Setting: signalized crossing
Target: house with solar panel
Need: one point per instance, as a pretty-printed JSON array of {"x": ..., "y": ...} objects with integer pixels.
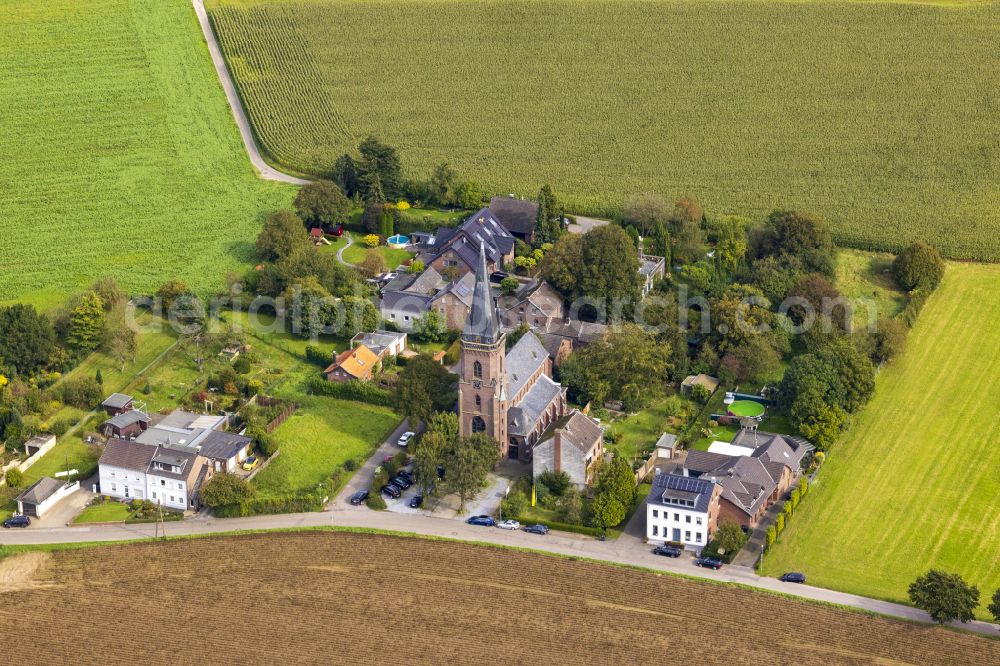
[{"x": 458, "y": 248}]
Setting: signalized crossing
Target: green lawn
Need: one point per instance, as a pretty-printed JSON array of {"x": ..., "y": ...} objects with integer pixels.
[
  {"x": 866, "y": 279},
  {"x": 641, "y": 430},
  {"x": 320, "y": 437},
  {"x": 120, "y": 155},
  {"x": 356, "y": 253},
  {"x": 103, "y": 513},
  {"x": 913, "y": 483},
  {"x": 69, "y": 449},
  {"x": 876, "y": 115}
]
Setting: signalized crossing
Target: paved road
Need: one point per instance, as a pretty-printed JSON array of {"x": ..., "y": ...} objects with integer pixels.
[
  {"x": 625, "y": 550},
  {"x": 266, "y": 171}
]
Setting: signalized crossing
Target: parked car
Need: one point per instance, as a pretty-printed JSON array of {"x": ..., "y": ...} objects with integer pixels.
[
  {"x": 359, "y": 497},
  {"x": 17, "y": 521},
  {"x": 482, "y": 521},
  {"x": 250, "y": 463},
  {"x": 405, "y": 438},
  {"x": 793, "y": 577},
  {"x": 406, "y": 474},
  {"x": 509, "y": 525},
  {"x": 709, "y": 562},
  {"x": 667, "y": 551},
  {"x": 416, "y": 501},
  {"x": 536, "y": 529},
  {"x": 391, "y": 490},
  {"x": 401, "y": 481}
]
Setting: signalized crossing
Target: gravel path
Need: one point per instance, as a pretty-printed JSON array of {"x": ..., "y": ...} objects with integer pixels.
[{"x": 266, "y": 171}]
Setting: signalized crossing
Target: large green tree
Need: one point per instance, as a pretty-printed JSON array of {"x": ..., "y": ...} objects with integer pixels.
[
  {"x": 424, "y": 386},
  {"x": 918, "y": 266},
  {"x": 548, "y": 221},
  {"x": 323, "y": 203},
  {"x": 283, "y": 233},
  {"x": 87, "y": 319},
  {"x": 27, "y": 338},
  {"x": 793, "y": 234},
  {"x": 467, "y": 463},
  {"x": 382, "y": 162},
  {"x": 645, "y": 211},
  {"x": 945, "y": 596},
  {"x": 609, "y": 265},
  {"x": 561, "y": 265}
]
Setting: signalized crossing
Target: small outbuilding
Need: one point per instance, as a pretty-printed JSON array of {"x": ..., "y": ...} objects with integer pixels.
[
  {"x": 709, "y": 382},
  {"x": 42, "y": 495},
  {"x": 117, "y": 403}
]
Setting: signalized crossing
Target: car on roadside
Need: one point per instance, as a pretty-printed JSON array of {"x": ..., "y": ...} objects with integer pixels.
[
  {"x": 251, "y": 463},
  {"x": 535, "y": 529},
  {"x": 406, "y": 474},
  {"x": 793, "y": 577},
  {"x": 482, "y": 521},
  {"x": 359, "y": 497},
  {"x": 392, "y": 491},
  {"x": 405, "y": 438},
  {"x": 509, "y": 525},
  {"x": 667, "y": 551},
  {"x": 416, "y": 501},
  {"x": 709, "y": 563},
  {"x": 17, "y": 521},
  {"x": 401, "y": 481}
]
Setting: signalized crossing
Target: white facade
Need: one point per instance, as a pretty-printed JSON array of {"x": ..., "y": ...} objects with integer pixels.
[
  {"x": 129, "y": 485},
  {"x": 675, "y": 523},
  {"x": 169, "y": 492}
]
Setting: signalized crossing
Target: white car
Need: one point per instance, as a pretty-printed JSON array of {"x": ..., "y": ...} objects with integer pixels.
[
  {"x": 509, "y": 525},
  {"x": 405, "y": 438}
]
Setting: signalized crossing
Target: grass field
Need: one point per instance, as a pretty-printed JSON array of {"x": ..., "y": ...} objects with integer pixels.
[
  {"x": 119, "y": 155},
  {"x": 357, "y": 252},
  {"x": 913, "y": 483},
  {"x": 878, "y": 116},
  {"x": 302, "y": 584}
]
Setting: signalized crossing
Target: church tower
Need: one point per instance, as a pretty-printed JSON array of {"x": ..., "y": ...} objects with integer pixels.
[{"x": 482, "y": 399}]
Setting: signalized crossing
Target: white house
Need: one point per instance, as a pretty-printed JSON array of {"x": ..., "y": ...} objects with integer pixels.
[
  {"x": 171, "y": 477},
  {"x": 682, "y": 509}
]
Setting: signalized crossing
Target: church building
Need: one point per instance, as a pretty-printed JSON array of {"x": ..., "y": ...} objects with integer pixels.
[{"x": 508, "y": 395}]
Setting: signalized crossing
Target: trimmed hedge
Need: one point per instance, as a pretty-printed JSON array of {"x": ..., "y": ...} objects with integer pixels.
[
  {"x": 566, "y": 527},
  {"x": 270, "y": 505},
  {"x": 352, "y": 390}
]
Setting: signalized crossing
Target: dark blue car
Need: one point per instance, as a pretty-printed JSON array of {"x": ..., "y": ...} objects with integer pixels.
[
  {"x": 535, "y": 529},
  {"x": 482, "y": 521}
]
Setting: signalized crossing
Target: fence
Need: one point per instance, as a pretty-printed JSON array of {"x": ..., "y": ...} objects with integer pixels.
[
  {"x": 21, "y": 466},
  {"x": 281, "y": 418},
  {"x": 264, "y": 464}
]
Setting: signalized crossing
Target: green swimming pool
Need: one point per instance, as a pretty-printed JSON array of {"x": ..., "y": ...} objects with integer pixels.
[{"x": 746, "y": 408}]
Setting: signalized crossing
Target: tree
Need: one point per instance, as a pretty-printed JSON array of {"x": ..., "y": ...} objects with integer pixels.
[
  {"x": 382, "y": 161},
  {"x": 918, "y": 266},
  {"x": 424, "y": 386},
  {"x": 609, "y": 265},
  {"x": 548, "y": 221},
  {"x": 816, "y": 421},
  {"x": 571, "y": 506},
  {"x": 731, "y": 241},
  {"x": 416, "y": 267},
  {"x": 469, "y": 194},
  {"x": 685, "y": 227},
  {"x": 561, "y": 264},
  {"x": 226, "y": 489},
  {"x": 467, "y": 464},
  {"x": 557, "y": 482},
  {"x": 86, "y": 323},
  {"x": 888, "y": 340},
  {"x": 323, "y": 203},
  {"x": 730, "y": 537},
  {"x": 371, "y": 218},
  {"x": 99, "y": 378},
  {"x": 109, "y": 291},
  {"x": 757, "y": 358},
  {"x": 645, "y": 211},
  {"x": 429, "y": 327},
  {"x": 509, "y": 285},
  {"x": 169, "y": 292},
  {"x": 374, "y": 263},
  {"x": 994, "y": 607},
  {"x": 428, "y": 455},
  {"x": 775, "y": 276},
  {"x": 14, "y": 477},
  {"x": 630, "y": 365},
  {"x": 283, "y": 233},
  {"x": 119, "y": 338},
  {"x": 345, "y": 174},
  {"x": 617, "y": 479},
  {"x": 27, "y": 338},
  {"x": 824, "y": 302},
  {"x": 945, "y": 596},
  {"x": 790, "y": 233},
  {"x": 443, "y": 185},
  {"x": 608, "y": 511}
]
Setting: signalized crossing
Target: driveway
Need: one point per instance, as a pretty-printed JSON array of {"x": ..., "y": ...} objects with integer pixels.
[
  {"x": 363, "y": 477},
  {"x": 66, "y": 509},
  {"x": 585, "y": 224}
]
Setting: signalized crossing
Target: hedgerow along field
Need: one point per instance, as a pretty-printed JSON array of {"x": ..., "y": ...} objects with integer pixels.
[
  {"x": 118, "y": 153},
  {"x": 878, "y": 116},
  {"x": 327, "y": 597},
  {"x": 913, "y": 483}
]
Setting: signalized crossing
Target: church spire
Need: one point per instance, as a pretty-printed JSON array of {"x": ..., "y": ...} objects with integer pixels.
[{"x": 483, "y": 326}]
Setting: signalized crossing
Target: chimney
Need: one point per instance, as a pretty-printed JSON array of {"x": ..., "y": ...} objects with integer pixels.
[{"x": 557, "y": 452}]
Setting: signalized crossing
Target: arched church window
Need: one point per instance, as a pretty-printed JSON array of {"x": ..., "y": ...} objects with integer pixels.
[{"x": 478, "y": 424}]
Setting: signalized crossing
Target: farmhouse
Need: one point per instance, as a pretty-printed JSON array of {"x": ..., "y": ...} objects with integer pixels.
[
  {"x": 574, "y": 444},
  {"x": 169, "y": 476},
  {"x": 683, "y": 509},
  {"x": 358, "y": 363},
  {"x": 518, "y": 216},
  {"x": 509, "y": 396}
]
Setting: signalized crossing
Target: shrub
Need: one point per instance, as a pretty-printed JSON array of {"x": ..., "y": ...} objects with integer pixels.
[
  {"x": 317, "y": 357},
  {"x": 14, "y": 477},
  {"x": 557, "y": 482},
  {"x": 350, "y": 465},
  {"x": 700, "y": 394},
  {"x": 514, "y": 505},
  {"x": 416, "y": 266},
  {"x": 779, "y": 523},
  {"x": 803, "y": 486},
  {"x": 918, "y": 266},
  {"x": 224, "y": 490},
  {"x": 242, "y": 365},
  {"x": 375, "y": 501},
  {"x": 772, "y": 535},
  {"x": 372, "y": 240},
  {"x": 352, "y": 390}
]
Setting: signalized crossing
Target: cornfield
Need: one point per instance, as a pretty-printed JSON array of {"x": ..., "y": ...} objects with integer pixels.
[
  {"x": 118, "y": 153},
  {"x": 879, "y": 117},
  {"x": 362, "y": 598}
]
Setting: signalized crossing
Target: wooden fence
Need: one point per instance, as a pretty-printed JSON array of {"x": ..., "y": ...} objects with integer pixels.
[{"x": 281, "y": 418}]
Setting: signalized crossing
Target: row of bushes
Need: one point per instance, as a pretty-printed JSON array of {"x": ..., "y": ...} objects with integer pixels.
[
  {"x": 786, "y": 512},
  {"x": 268, "y": 505},
  {"x": 352, "y": 390},
  {"x": 914, "y": 304}
]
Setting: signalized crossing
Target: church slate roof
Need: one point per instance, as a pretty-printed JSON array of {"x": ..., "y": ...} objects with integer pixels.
[
  {"x": 522, "y": 361},
  {"x": 483, "y": 325},
  {"x": 522, "y": 417}
]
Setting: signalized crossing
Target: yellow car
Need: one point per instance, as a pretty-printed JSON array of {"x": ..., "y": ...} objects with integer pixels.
[{"x": 250, "y": 463}]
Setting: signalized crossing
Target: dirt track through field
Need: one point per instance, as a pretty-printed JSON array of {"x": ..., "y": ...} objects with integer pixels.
[{"x": 350, "y": 598}]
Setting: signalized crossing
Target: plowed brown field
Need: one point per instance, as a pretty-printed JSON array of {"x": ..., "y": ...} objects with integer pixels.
[{"x": 356, "y": 598}]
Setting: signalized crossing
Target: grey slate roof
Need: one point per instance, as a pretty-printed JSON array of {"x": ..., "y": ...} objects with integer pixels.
[
  {"x": 463, "y": 289},
  {"x": 218, "y": 445},
  {"x": 666, "y": 441},
  {"x": 116, "y": 401},
  {"x": 482, "y": 229},
  {"x": 40, "y": 490},
  {"x": 483, "y": 325},
  {"x": 682, "y": 487},
  {"x": 522, "y": 361},
  {"x": 516, "y": 215},
  {"x": 774, "y": 448},
  {"x": 701, "y": 462},
  {"x": 522, "y": 417},
  {"x": 126, "y": 419},
  {"x": 127, "y": 455},
  {"x": 577, "y": 429},
  {"x": 182, "y": 458},
  {"x": 378, "y": 341}
]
